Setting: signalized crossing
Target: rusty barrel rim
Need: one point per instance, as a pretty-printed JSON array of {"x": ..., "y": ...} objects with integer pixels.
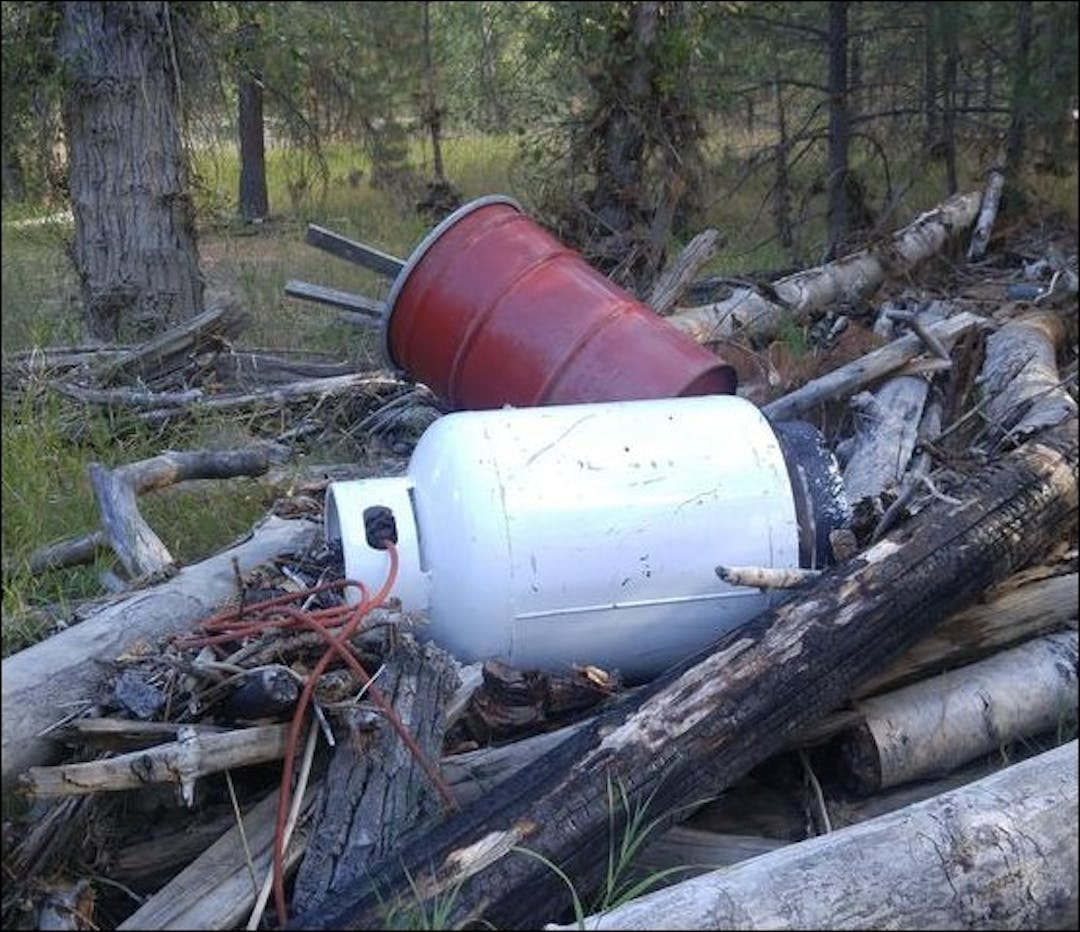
[{"x": 417, "y": 255}]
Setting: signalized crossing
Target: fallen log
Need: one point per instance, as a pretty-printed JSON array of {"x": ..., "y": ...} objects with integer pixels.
[
  {"x": 707, "y": 721},
  {"x": 131, "y": 538},
  {"x": 1020, "y": 377},
  {"x": 172, "y": 349},
  {"x": 980, "y": 235},
  {"x": 869, "y": 368},
  {"x": 1009, "y": 614},
  {"x": 671, "y": 283},
  {"x": 935, "y": 725},
  {"x": 196, "y": 753},
  {"x": 49, "y": 682},
  {"x": 995, "y": 854},
  {"x": 217, "y": 890},
  {"x": 852, "y": 278},
  {"x": 376, "y": 792}
]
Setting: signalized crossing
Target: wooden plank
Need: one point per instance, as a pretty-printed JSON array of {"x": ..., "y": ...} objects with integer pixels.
[
  {"x": 216, "y": 891},
  {"x": 351, "y": 251},
  {"x": 321, "y": 294}
]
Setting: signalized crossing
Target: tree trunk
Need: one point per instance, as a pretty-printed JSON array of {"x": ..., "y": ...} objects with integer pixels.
[
  {"x": 1019, "y": 103},
  {"x": 706, "y": 722},
  {"x": 781, "y": 195},
  {"x": 134, "y": 248},
  {"x": 948, "y": 91},
  {"x": 839, "y": 128},
  {"x": 999, "y": 853},
  {"x": 254, "y": 201},
  {"x": 930, "y": 78}
]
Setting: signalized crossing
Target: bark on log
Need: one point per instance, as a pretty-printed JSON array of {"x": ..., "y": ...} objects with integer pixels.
[
  {"x": 851, "y": 278},
  {"x": 376, "y": 793},
  {"x": 935, "y": 725},
  {"x": 980, "y": 236},
  {"x": 996, "y": 854},
  {"x": 43, "y": 684},
  {"x": 709, "y": 720},
  {"x": 1020, "y": 377},
  {"x": 678, "y": 274},
  {"x": 867, "y": 369}
]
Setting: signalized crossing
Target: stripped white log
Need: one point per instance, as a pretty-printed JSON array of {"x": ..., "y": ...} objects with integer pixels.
[
  {"x": 999, "y": 853},
  {"x": 193, "y": 755},
  {"x": 869, "y": 368},
  {"x": 51, "y": 680},
  {"x": 937, "y": 724},
  {"x": 1020, "y": 377},
  {"x": 980, "y": 236},
  {"x": 848, "y": 279},
  {"x": 677, "y": 275}
]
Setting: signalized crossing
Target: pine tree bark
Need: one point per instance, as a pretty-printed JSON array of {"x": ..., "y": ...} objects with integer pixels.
[
  {"x": 134, "y": 250},
  {"x": 254, "y": 201},
  {"x": 839, "y": 128}
]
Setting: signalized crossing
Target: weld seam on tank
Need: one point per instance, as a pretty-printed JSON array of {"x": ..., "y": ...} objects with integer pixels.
[
  {"x": 422, "y": 248},
  {"x": 473, "y": 328}
]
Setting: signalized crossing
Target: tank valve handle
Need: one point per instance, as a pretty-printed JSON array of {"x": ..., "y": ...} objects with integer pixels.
[{"x": 379, "y": 526}]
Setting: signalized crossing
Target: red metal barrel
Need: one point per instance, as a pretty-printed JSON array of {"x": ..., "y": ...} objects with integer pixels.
[{"x": 490, "y": 309}]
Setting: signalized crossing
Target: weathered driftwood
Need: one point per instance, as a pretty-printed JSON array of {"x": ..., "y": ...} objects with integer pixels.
[
  {"x": 290, "y": 393},
  {"x": 688, "y": 851},
  {"x": 850, "y": 278},
  {"x": 867, "y": 369},
  {"x": 128, "y": 397},
  {"x": 376, "y": 793},
  {"x": 887, "y": 423},
  {"x": 996, "y": 854},
  {"x": 139, "y": 549},
  {"x": 980, "y": 235},
  {"x": 937, "y": 724},
  {"x": 124, "y": 734},
  {"x": 1009, "y": 614},
  {"x": 360, "y": 307},
  {"x": 217, "y": 890},
  {"x": 671, "y": 283},
  {"x": 709, "y": 720},
  {"x": 50, "y": 681},
  {"x": 194, "y": 754},
  {"x": 352, "y": 251},
  {"x": 918, "y": 470},
  {"x": 148, "y": 863},
  {"x": 1020, "y": 377},
  {"x": 265, "y": 368},
  {"x": 171, "y": 350}
]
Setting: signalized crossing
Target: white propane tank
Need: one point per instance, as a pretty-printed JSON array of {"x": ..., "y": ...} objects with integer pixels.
[{"x": 581, "y": 533}]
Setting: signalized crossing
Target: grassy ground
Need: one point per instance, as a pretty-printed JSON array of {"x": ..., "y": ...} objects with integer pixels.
[{"x": 45, "y": 493}]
